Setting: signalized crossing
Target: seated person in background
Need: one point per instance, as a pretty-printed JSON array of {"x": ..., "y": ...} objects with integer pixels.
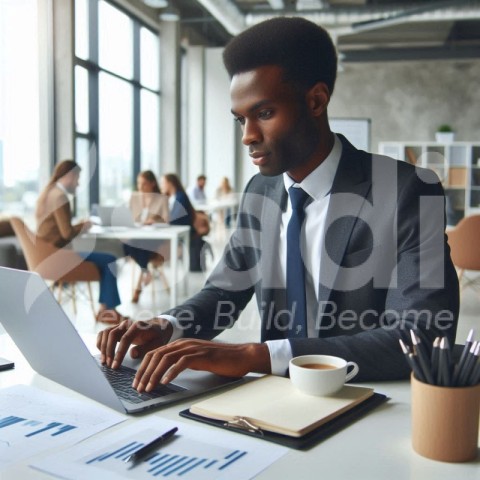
[
  {"x": 181, "y": 209},
  {"x": 224, "y": 191},
  {"x": 183, "y": 213},
  {"x": 148, "y": 206},
  {"x": 345, "y": 251},
  {"x": 54, "y": 225},
  {"x": 197, "y": 192}
]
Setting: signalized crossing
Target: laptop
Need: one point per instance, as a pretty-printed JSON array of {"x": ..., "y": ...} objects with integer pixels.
[
  {"x": 120, "y": 216},
  {"x": 48, "y": 340}
]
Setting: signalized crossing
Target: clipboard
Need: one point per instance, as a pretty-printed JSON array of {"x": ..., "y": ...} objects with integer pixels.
[{"x": 298, "y": 443}]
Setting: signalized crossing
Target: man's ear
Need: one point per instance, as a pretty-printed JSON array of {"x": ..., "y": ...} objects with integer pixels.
[{"x": 318, "y": 98}]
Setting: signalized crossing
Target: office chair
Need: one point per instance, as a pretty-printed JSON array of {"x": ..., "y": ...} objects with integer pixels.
[
  {"x": 465, "y": 251},
  {"x": 61, "y": 266}
]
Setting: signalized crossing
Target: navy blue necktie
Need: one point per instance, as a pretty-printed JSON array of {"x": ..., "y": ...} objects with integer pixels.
[{"x": 296, "y": 296}]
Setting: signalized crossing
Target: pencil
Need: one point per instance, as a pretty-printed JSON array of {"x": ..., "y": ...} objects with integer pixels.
[
  {"x": 423, "y": 359},
  {"x": 444, "y": 364},
  {"x": 463, "y": 357},
  {"x": 467, "y": 367},
  {"x": 474, "y": 376},
  {"x": 434, "y": 357}
]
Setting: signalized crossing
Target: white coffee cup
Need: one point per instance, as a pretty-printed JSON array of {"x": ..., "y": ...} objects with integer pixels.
[{"x": 320, "y": 375}]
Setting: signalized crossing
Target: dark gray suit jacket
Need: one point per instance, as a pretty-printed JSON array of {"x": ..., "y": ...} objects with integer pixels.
[{"x": 385, "y": 267}]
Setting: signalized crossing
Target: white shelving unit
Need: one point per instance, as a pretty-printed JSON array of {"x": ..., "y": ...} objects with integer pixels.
[{"x": 457, "y": 164}]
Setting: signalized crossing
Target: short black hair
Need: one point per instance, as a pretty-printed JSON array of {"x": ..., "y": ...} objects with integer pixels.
[{"x": 303, "y": 49}]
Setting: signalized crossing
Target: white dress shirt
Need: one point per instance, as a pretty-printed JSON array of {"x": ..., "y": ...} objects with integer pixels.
[{"x": 318, "y": 185}]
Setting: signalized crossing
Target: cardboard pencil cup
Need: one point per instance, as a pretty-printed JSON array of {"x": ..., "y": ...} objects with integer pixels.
[{"x": 445, "y": 421}]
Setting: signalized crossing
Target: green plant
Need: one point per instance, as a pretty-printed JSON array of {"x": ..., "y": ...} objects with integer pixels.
[{"x": 445, "y": 128}]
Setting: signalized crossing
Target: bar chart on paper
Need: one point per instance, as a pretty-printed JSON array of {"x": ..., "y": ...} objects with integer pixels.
[
  {"x": 29, "y": 428},
  {"x": 171, "y": 461},
  {"x": 193, "y": 453},
  {"x": 33, "y": 421}
]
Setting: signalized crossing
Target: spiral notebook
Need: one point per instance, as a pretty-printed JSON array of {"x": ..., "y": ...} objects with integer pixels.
[{"x": 271, "y": 408}]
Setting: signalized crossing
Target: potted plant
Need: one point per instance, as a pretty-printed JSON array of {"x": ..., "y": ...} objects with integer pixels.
[{"x": 444, "y": 134}]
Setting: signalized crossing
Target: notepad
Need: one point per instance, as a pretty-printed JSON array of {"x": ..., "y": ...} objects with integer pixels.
[{"x": 272, "y": 404}]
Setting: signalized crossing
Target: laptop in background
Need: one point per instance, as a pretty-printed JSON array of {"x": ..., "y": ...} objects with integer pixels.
[
  {"x": 48, "y": 340},
  {"x": 115, "y": 216}
]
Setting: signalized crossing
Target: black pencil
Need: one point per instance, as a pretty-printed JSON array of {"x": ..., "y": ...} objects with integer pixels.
[
  {"x": 463, "y": 357},
  {"x": 474, "y": 376},
  {"x": 444, "y": 364},
  {"x": 467, "y": 366},
  {"x": 434, "y": 357},
  {"x": 423, "y": 359}
]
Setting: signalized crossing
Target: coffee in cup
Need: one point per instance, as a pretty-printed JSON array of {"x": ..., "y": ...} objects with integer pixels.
[{"x": 320, "y": 375}]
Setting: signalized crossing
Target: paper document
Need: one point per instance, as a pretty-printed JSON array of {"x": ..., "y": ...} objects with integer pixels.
[
  {"x": 193, "y": 453},
  {"x": 33, "y": 421}
]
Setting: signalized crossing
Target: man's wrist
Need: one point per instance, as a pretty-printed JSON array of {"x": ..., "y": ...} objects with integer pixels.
[{"x": 259, "y": 357}]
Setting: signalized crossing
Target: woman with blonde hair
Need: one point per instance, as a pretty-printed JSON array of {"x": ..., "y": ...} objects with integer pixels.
[
  {"x": 54, "y": 225},
  {"x": 148, "y": 206}
]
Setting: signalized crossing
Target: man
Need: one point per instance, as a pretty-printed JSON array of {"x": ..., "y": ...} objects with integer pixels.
[
  {"x": 197, "y": 192},
  {"x": 370, "y": 231}
]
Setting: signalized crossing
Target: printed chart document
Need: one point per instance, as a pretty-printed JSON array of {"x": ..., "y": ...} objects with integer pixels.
[
  {"x": 192, "y": 453},
  {"x": 33, "y": 421}
]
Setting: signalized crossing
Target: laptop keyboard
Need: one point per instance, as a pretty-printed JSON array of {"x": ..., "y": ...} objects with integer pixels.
[{"x": 121, "y": 380}]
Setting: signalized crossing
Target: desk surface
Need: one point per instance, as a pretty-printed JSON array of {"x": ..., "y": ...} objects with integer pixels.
[
  {"x": 146, "y": 232},
  {"x": 375, "y": 447}
]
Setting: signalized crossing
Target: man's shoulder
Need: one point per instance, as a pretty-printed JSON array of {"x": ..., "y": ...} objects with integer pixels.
[{"x": 258, "y": 183}]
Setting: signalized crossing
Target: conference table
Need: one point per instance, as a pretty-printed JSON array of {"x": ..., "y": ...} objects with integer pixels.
[
  {"x": 175, "y": 234},
  {"x": 375, "y": 447}
]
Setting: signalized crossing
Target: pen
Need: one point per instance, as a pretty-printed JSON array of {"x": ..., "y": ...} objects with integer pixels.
[{"x": 150, "y": 447}]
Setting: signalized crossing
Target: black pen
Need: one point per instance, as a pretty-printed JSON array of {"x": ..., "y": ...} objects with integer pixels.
[{"x": 150, "y": 447}]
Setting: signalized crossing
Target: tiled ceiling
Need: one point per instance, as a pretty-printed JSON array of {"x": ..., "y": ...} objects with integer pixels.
[{"x": 365, "y": 30}]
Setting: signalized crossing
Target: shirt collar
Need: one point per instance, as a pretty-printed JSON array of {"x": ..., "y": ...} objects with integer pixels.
[{"x": 319, "y": 182}]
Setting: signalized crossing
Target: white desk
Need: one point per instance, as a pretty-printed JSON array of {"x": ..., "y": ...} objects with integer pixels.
[
  {"x": 375, "y": 447},
  {"x": 175, "y": 234}
]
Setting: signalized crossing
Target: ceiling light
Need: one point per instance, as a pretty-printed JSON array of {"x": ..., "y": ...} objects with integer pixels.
[
  {"x": 156, "y": 3},
  {"x": 170, "y": 14}
]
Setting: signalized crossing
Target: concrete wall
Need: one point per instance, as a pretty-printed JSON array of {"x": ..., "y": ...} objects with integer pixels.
[{"x": 407, "y": 101}]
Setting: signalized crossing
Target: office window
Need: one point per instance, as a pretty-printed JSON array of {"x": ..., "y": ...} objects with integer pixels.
[
  {"x": 117, "y": 101},
  {"x": 115, "y": 139},
  {"x": 115, "y": 40},
  {"x": 19, "y": 112}
]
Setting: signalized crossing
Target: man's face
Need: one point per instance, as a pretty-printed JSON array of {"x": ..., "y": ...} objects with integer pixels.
[
  {"x": 201, "y": 183},
  {"x": 279, "y": 130}
]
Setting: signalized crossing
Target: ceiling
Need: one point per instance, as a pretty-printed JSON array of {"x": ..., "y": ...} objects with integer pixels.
[{"x": 364, "y": 30}]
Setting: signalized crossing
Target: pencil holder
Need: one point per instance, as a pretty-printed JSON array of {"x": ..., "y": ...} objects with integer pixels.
[{"x": 445, "y": 421}]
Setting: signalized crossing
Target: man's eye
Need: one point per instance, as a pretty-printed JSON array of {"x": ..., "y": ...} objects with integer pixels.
[
  {"x": 265, "y": 114},
  {"x": 240, "y": 120}
]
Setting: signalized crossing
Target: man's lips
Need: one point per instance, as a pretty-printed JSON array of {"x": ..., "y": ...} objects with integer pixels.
[{"x": 259, "y": 158}]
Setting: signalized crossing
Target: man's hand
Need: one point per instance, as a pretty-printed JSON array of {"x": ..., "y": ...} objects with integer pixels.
[
  {"x": 145, "y": 335},
  {"x": 164, "y": 363}
]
